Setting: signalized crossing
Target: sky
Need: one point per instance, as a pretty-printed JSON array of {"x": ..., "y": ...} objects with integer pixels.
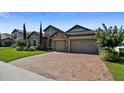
[{"x": 62, "y": 20}]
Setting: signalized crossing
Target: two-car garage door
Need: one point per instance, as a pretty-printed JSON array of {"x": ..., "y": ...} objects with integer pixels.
[
  {"x": 87, "y": 46},
  {"x": 83, "y": 46}
]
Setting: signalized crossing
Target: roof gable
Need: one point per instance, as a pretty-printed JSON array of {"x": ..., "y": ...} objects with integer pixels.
[
  {"x": 21, "y": 31},
  {"x": 34, "y": 32},
  {"x": 78, "y": 28},
  {"x": 50, "y": 26},
  {"x": 58, "y": 32},
  {"x": 6, "y": 35},
  {"x": 17, "y": 30}
]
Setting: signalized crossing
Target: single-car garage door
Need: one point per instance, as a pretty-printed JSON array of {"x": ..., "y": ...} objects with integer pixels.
[
  {"x": 60, "y": 45},
  {"x": 83, "y": 46}
]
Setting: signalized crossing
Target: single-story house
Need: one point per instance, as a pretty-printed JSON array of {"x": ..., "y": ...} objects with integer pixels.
[
  {"x": 78, "y": 39},
  {"x": 18, "y": 34},
  {"x": 32, "y": 37},
  {"x": 6, "y": 40}
]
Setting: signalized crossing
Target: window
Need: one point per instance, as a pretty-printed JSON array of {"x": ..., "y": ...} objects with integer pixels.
[{"x": 34, "y": 42}]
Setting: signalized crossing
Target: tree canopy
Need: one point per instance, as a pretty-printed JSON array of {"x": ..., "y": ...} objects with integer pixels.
[{"x": 109, "y": 37}]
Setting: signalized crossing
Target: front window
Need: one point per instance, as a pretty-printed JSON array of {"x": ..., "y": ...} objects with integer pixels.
[{"x": 34, "y": 42}]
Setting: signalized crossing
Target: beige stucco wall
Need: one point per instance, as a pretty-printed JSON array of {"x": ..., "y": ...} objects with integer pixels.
[{"x": 36, "y": 37}]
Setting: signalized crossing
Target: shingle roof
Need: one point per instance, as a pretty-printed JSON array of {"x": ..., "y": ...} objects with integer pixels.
[
  {"x": 82, "y": 31},
  {"x": 21, "y": 31},
  {"x": 78, "y": 26},
  {"x": 38, "y": 33},
  {"x": 52, "y": 27},
  {"x": 57, "y": 32},
  {"x": 6, "y": 35}
]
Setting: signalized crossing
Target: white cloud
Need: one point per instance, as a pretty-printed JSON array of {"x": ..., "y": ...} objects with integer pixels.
[{"x": 5, "y": 14}]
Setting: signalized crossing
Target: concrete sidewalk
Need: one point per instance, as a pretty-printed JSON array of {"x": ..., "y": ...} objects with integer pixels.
[{"x": 12, "y": 73}]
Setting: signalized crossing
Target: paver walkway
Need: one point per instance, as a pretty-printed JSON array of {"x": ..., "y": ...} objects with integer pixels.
[
  {"x": 12, "y": 73},
  {"x": 66, "y": 66}
]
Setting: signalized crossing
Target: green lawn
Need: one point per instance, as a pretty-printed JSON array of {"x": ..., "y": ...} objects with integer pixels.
[
  {"x": 10, "y": 54},
  {"x": 117, "y": 69}
]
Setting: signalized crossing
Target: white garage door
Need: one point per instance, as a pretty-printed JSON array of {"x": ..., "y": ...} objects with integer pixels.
[
  {"x": 60, "y": 45},
  {"x": 83, "y": 46}
]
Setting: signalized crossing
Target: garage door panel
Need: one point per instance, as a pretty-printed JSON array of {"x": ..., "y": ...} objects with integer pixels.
[
  {"x": 83, "y": 46},
  {"x": 60, "y": 45}
]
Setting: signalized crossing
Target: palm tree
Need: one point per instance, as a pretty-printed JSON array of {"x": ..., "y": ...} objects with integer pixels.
[
  {"x": 41, "y": 35},
  {"x": 24, "y": 32}
]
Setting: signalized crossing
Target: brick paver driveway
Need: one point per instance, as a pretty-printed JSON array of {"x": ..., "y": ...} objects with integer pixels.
[{"x": 66, "y": 66}]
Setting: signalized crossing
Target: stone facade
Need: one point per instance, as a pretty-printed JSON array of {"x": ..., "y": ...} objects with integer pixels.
[
  {"x": 49, "y": 31},
  {"x": 77, "y": 39},
  {"x": 59, "y": 36}
]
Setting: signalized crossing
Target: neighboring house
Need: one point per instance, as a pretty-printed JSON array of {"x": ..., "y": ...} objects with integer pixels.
[
  {"x": 34, "y": 38},
  {"x": 78, "y": 39},
  {"x": 6, "y": 40},
  {"x": 18, "y": 34}
]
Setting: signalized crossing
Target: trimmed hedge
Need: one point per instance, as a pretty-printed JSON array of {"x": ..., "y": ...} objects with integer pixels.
[
  {"x": 109, "y": 55},
  {"x": 14, "y": 45}
]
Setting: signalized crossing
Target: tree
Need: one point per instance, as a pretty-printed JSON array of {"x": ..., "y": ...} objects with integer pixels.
[
  {"x": 24, "y": 32},
  {"x": 40, "y": 35},
  {"x": 0, "y": 40},
  {"x": 109, "y": 37}
]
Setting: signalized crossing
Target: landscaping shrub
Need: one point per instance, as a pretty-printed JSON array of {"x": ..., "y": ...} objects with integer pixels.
[
  {"x": 121, "y": 51},
  {"x": 14, "y": 45},
  {"x": 19, "y": 48},
  {"x": 36, "y": 47},
  {"x": 32, "y": 48},
  {"x": 109, "y": 55},
  {"x": 21, "y": 42},
  {"x": 25, "y": 49}
]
